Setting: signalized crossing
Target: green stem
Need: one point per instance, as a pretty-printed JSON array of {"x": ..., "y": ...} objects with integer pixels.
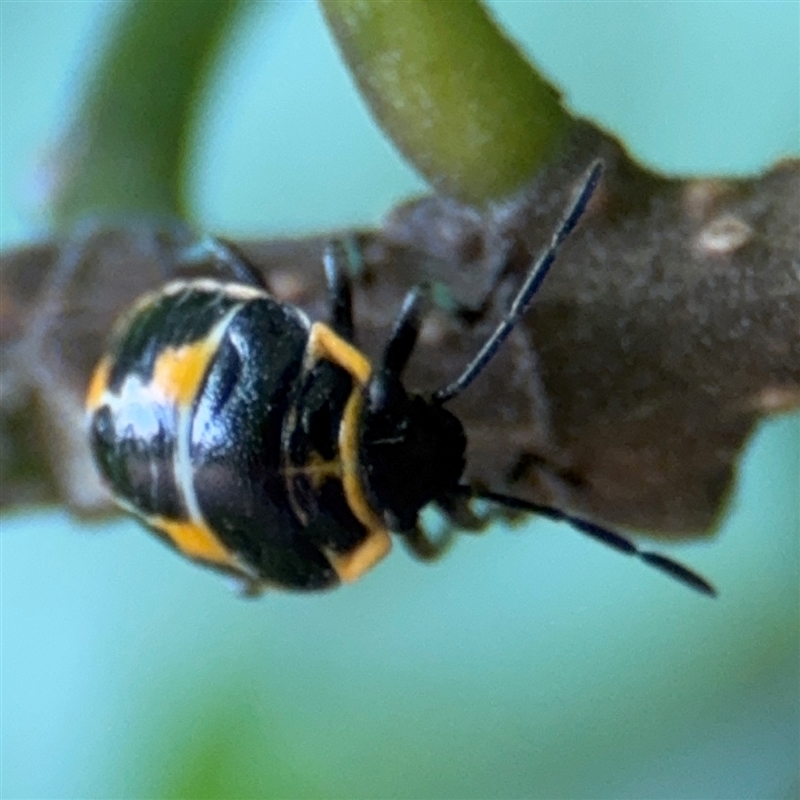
[
  {"x": 451, "y": 91},
  {"x": 125, "y": 151}
]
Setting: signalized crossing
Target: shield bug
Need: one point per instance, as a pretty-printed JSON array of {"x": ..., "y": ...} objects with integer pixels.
[{"x": 267, "y": 446}]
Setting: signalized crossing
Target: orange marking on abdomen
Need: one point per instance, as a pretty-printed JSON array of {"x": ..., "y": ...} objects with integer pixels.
[
  {"x": 324, "y": 342},
  {"x": 179, "y": 371},
  {"x": 351, "y": 566},
  {"x": 98, "y": 384},
  {"x": 194, "y": 540},
  {"x": 348, "y": 453}
]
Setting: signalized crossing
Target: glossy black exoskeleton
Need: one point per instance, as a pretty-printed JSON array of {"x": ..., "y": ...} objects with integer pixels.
[{"x": 269, "y": 447}]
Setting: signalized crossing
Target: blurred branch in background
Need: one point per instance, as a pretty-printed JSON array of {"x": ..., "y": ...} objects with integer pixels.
[
  {"x": 667, "y": 330},
  {"x": 125, "y": 150}
]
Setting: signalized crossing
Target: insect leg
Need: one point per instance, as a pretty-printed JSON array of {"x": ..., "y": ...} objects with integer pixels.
[
  {"x": 462, "y": 516},
  {"x": 226, "y": 256},
  {"x": 406, "y": 330},
  {"x": 340, "y": 294},
  {"x": 514, "y": 256},
  {"x": 423, "y": 547}
]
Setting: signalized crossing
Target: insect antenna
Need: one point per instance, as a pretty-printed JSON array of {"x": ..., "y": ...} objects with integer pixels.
[
  {"x": 672, "y": 568},
  {"x": 228, "y": 259},
  {"x": 536, "y": 275}
]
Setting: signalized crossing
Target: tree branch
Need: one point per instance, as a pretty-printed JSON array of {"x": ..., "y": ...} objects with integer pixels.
[{"x": 667, "y": 329}]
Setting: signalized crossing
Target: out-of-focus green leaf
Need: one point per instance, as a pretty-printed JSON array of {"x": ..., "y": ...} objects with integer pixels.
[
  {"x": 125, "y": 150},
  {"x": 451, "y": 91},
  {"x": 215, "y": 750}
]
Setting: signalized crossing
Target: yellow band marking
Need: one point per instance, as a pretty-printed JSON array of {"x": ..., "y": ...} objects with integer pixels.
[
  {"x": 98, "y": 384},
  {"x": 351, "y": 566},
  {"x": 323, "y": 342},
  {"x": 179, "y": 371},
  {"x": 194, "y": 540},
  {"x": 348, "y": 452}
]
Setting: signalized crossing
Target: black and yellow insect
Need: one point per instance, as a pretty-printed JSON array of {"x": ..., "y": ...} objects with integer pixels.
[{"x": 267, "y": 446}]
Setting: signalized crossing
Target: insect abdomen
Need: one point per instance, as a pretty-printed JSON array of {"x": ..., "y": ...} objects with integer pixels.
[{"x": 236, "y": 447}]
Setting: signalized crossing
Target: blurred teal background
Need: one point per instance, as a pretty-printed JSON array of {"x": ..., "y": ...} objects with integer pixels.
[{"x": 527, "y": 664}]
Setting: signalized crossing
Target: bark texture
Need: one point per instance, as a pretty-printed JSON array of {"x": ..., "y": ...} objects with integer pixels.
[{"x": 668, "y": 328}]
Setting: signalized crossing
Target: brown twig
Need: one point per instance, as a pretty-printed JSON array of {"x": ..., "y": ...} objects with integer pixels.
[{"x": 667, "y": 329}]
